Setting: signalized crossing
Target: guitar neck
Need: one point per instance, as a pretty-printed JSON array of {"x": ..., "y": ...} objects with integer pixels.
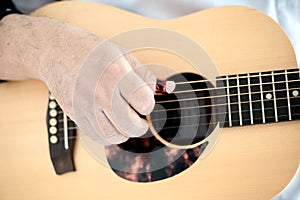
[{"x": 259, "y": 98}]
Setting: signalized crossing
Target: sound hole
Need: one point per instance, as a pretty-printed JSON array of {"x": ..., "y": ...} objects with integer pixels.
[
  {"x": 184, "y": 116},
  {"x": 146, "y": 159}
]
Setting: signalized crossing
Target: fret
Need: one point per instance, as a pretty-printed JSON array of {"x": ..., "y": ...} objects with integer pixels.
[
  {"x": 294, "y": 92},
  {"x": 255, "y": 88},
  {"x": 274, "y": 97},
  {"x": 287, "y": 94},
  {"x": 228, "y": 102},
  {"x": 268, "y": 97},
  {"x": 250, "y": 98},
  {"x": 239, "y": 100},
  {"x": 281, "y": 96},
  {"x": 262, "y": 99},
  {"x": 245, "y": 113},
  {"x": 221, "y": 101},
  {"x": 233, "y": 98}
]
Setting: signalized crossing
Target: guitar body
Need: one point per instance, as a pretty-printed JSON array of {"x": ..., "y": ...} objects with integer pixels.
[{"x": 251, "y": 162}]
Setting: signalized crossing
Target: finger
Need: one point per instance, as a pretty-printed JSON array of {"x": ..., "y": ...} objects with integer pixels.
[
  {"x": 100, "y": 129},
  {"x": 124, "y": 118},
  {"x": 108, "y": 130},
  {"x": 86, "y": 128},
  {"x": 146, "y": 75},
  {"x": 133, "y": 61},
  {"x": 142, "y": 71},
  {"x": 137, "y": 93}
]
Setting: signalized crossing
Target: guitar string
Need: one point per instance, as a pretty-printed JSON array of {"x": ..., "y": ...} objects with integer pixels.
[
  {"x": 231, "y": 95},
  {"x": 199, "y": 107},
  {"x": 69, "y": 137},
  {"x": 233, "y": 121},
  {"x": 226, "y": 104},
  {"x": 235, "y": 94},
  {"x": 235, "y": 87},
  {"x": 237, "y": 121},
  {"x": 232, "y": 103},
  {"x": 201, "y": 124},
  {"x": 200, "y": 115},
  {"x": 218, "y": 113},
  {"x": 234, "y": 77}
]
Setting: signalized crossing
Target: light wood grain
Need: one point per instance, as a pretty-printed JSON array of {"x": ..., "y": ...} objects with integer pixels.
[{"x": 254, "y": 162}]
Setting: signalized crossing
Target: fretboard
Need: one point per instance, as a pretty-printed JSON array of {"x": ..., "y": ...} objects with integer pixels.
[{"x": 259, "y": 98}]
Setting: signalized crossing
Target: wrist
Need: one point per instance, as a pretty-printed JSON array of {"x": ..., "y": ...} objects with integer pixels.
[
  {"x": 33, "y": 47},
  {"x": 65, "y": 50}
]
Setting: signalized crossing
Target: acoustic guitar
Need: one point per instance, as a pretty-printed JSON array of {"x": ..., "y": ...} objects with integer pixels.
[{"x": 253, "y": 156}]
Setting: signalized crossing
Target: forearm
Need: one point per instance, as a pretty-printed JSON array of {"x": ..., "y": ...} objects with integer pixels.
[{"x": 31, "y": 46}]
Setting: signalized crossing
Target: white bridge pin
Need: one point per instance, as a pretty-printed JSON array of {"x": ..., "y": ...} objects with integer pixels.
[
  {"x": 52, "y": 104},
  {"x": 53, "y": 113},
  {"x": 53, "y": 139},
  {"x": 52, "y": 121},
  {"x": 53, "y": 130}
]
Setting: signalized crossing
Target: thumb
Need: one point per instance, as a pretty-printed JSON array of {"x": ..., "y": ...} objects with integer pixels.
[
  {"x": 142, "y": 71},
  {"x": 146, "y": 75}
]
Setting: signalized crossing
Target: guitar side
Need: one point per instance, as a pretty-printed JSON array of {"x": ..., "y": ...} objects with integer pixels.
[{"x": 247, "y": 162}]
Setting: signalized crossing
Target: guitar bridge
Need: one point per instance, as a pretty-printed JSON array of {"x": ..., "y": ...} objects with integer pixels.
[{"x": 61, "y": 138}]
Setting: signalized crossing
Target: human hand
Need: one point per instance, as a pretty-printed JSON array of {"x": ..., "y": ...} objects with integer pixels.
[
  {"x": 111, "y": 93},
  {"x": 106, "y": 99},
  {"x": 107, "y": 107}
]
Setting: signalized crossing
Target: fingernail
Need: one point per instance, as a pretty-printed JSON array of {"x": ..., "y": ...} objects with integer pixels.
[
  {"x": 170, "y": 86},
  {"x": 163, "y": 86}
]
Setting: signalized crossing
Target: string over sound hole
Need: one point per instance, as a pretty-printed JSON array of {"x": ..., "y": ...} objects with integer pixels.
[{"x": 184, "y": 117}]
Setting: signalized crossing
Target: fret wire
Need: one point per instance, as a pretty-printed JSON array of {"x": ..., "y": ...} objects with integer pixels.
[
  {"x": 250, "y": 98},
  {"x": 262, "y": 100},
  {"x": 228, "y": 102},
  {"x": 253, "y": 76},
  {"x": 288, "y": 95},
  {"x": 274, "y": 95},
  {"x": 218, "y": 88},
  {"x": 270, "y": 117},
  {"x": 239, "y": 100}
]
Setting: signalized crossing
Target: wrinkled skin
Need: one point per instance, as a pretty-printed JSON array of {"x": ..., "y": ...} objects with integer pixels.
[{"x": 54, "y": 52}]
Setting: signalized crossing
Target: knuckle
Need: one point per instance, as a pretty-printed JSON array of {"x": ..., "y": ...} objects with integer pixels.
[
  {"x": 149, "y": 76},
  {"x": 117, "y": 139},
  {"x": 135, "y": 130},
  {"x": 144, "y": 103},
  {"x": 147, "y": 105}
]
